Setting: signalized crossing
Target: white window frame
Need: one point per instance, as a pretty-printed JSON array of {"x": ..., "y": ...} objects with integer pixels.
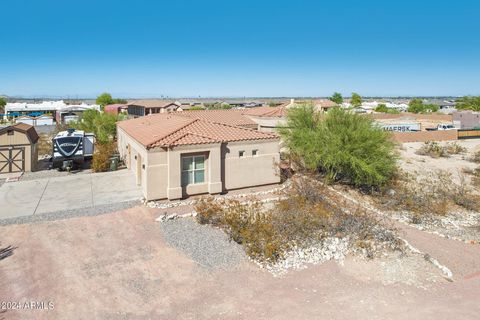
[{"x": 193, "y": 171}]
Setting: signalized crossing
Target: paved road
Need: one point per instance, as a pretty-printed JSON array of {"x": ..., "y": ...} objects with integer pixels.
[{"x": 34, "y": 197}]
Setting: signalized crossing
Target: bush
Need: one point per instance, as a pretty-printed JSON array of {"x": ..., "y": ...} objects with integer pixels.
[
  {"x": 101, "y": 158},
  {"x": 435, "y": 150},
  {"x": 476, "y": 157},
  {"x": 455, "y": 148},
  {"x": 343, "y": 146},
  {"x": 429, "y": 196},
  {"x": 432, "y": 149},
  {"x": 303, "y": 218}
]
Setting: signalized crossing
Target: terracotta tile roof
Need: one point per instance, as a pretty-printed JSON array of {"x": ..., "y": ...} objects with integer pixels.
[
  {"x": 150, "y": 129},
  {"x": 324, "y": 103},
  {"x": 165, "y": 130},
  {"x": 232, "y": 117},
  {"x": 273, "y": 112},
  {"x": 152, "y": 103}
]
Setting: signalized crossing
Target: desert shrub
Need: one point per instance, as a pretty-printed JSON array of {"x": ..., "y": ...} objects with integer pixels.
[
  {"x": 432, "y": 149},
  {"x": 475, "y": 157},
  {"x": 343, "y": 146},
  {"x": 476, "y": 177},
  {"x": 436, "y": 150},
  {"x": 303, "y": 218},
  {"x": 44, "y": 145},
  {"x": 101, "y": 157},
  {"x": 455, "y": 148},
  {"x": 429, "y": 196}
]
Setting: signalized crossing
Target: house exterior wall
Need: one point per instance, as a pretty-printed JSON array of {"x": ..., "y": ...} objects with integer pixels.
[
  {"x": 160, "y": 174},
  {"x": 247, "y": 171}
]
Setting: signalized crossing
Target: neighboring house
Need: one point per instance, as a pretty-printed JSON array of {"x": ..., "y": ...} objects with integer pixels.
[
  {"x": 175, "y": 156},
  {"x": 140, "y": 108},
  {"x": 267, "y": 118},
  {"x": 115, "y": 108},
  {"x": 323, "y": 105},
  {"x": 18, "y": 148},
  {"x": 467, "y": 119}
]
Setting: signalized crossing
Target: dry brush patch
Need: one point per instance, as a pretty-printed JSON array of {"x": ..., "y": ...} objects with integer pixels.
[
  {"x": 306, "y": 217},
  {"x": 436, "y": 150},
  {"x": 425, "y": 197}
]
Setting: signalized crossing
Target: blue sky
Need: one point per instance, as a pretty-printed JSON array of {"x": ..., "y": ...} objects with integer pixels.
[{"x": 239, "y": 48}]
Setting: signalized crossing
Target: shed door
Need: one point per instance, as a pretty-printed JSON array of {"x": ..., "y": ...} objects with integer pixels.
[{"x": 12, "y": 160}]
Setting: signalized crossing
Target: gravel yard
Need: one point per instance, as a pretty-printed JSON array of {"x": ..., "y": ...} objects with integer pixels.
[{"x": 206, "y": 245}]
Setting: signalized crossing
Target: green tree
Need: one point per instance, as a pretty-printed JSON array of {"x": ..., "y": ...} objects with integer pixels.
[
  {"x": 103, "y": 125},
  {"x": 104, "y": 99},
  {"x": 382, "y": 107},
  {"x": 120, "y": 101},
  {"x": 417, "y": 106},
  {"x": 3, "y": 102},
  {"x": 344, "y": 146},
  {"x": 468, "y": 103},
  {"x": 337, "y": 98},
  {"x": 356, "y": 100}
]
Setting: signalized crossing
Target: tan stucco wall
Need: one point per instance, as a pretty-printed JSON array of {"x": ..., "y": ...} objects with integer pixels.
[
  {"x": 20, "y": 140},
  {"x": 251, "y": 170},
  {"x": 224, "y": 170}
]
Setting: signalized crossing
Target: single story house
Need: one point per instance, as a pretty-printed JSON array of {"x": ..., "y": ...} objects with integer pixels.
[
  {"x": 18, "y": 148},
  {"x": 175, "y": 156},
  {"x": 140, "y": 108}
]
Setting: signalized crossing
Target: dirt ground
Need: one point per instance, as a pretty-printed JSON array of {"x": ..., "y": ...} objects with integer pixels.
[
  {"x": 118, "y": 266},
  {"x": 455, "y": 164}
]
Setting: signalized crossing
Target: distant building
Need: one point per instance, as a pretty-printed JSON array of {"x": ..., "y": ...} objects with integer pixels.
[
  {"x": 55, "y": 109},
  {"x": 116, "y": 108},
  {"x": 467, "y": 119},
  {"x": 140, "y": 108}
]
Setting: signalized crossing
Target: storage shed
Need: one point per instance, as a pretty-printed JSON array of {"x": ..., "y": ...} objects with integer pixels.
[{"x": 18, "y": 148}]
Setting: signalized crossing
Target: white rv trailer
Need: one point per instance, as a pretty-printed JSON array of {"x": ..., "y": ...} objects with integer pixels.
[{"x": 72, "y": 145}]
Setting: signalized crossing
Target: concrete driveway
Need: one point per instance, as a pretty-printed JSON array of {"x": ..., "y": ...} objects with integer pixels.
[{"x": 24, "y": 198}]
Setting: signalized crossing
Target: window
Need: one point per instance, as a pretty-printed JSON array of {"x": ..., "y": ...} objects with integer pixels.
[
  {"x": 254, "y": 152},
  {"x": 241, "y": 153},
  {"x": 193, "y": 170},
  {"x": 10, "y": 132}
]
